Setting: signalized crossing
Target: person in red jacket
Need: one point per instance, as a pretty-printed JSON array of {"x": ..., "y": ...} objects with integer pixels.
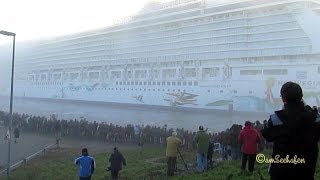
[{"x": 249, "y": 139}]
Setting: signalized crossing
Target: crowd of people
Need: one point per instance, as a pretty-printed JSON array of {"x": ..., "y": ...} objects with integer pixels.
[
  {"x": 292, "y": 132},
  {"x": 141, "y": 134}
]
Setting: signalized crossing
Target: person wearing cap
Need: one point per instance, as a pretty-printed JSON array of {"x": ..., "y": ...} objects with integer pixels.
[
  {"x": 173, "y": 143},
  {"x": 294, "y": 131},
  {"x": 249, "y": 139},
  {"x": 116, "y": 161},
  {"x": 86, "y": 165},
  {"x": 201, "y": 141}
]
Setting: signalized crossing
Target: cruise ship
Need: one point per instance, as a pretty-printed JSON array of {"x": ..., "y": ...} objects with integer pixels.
[{"x": 199, "y": 54}]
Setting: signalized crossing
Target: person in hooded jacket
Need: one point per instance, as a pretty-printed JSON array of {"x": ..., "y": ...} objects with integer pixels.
[
  {"x": 249, "y": 139},
  {"x": 201, "y": 141},
  {"x": 86, "y": 165},
  {"x": 294, "y": 131}
]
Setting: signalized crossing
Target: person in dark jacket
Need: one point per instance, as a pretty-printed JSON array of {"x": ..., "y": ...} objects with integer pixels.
[
  {"x": 294, "y": 132},
  {"x": 86, "y": 165},
  {"x": 16, "y": 134},
  {"x": 235, "y": 146},
  {"x": 210, "y": 154},
  {"x": 116, "y": 160}
]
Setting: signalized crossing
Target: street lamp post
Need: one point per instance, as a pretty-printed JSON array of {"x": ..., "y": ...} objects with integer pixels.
[{"x": 6, "y": 33}]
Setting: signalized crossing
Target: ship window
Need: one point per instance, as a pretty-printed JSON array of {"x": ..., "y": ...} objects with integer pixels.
[
  {"x": 132, "y": 83},
  {"x": 120, "y": 89},
  {"x": 173, "y": 90},
  {"x": 120, "y": 83},
  {"x": 141, "y": 74},
  {"x": 163, "y": 83},
  {"x": 184, "y": 83},
  {"x": 112, "y": 89},
  {"x": 184, "y": 90},
  {"x": 168, "y": 83},
  {"x": 250, "y": 72},
  {"x": 173, "y": 83},
  {"x": 221, "y": 91},
  {"x": 190, "y": 83},
  {"x": 154, "y": 90},
  {"x": 128, "y": 83},
  {"x": 163, "y": 89},
  {"x": 250, "y": 92},
  {"x": 171, "y": 73},
  {"x": 208, "y": 91},
  {"x": 158, "y": 89},
  {"x": 140, "y": 83},
  {"x": 116, "y": 83},
  {"x": 148, "y": 89},
  {"x": 275, "y": 71},
  {"x": 116, "y": 88},
  {"x": 136, "y": 83},
  {"x": 168, "y": 89},
  {"x": 190, "y": 72},
  {"x": 154, "y": 83},
  {"x": 178, "y": 90},
  {"x": 179, "y": 83},
  {"x": 209, "y": 72},
  {"x": 195, "y": 83},
  {"x": 93, "y": 75},
  {"x": 149, "y": 83},
  {"x": 144, "y": 83},
  {"x": 144, "y": 89},
  {"x": 158, "y": 83}
]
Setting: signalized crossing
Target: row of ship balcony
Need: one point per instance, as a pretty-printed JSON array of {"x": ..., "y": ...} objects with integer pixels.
[
  {"x": 197, "y": 39},
  {"x": 129, "y": 42},
  {"x": 294, "y": 49},
  {"x": 225, "y": 23},
  {"x": 250, "y": 41}
]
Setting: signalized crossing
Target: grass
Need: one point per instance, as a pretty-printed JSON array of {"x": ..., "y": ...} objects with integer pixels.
[{"x": 58, "y": 165}]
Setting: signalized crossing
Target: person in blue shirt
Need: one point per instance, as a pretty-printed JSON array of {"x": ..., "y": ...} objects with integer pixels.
[{"x": 86, "y": 165}]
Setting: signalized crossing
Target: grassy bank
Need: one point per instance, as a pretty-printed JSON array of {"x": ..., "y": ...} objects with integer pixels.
[{"x": 58, "y": 165}]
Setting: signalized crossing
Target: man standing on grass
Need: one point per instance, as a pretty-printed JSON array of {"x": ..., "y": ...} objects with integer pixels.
[
  {"x": 201, "y": 140},
  {"x": 86, "y": 165},
  {"x": 116, "y": 160},
  {"x": 173, "y": 144},
  {"x": 249, "y": 139}
]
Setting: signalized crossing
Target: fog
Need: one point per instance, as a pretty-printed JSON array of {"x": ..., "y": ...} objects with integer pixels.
[{"x": 217, "y": 57}]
